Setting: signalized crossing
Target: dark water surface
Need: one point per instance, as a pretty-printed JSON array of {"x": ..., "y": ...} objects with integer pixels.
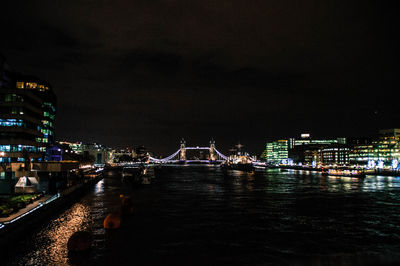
[{"x": 201, "y": 216}]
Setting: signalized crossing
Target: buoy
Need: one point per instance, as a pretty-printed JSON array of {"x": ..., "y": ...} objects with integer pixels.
[
  {"x": 112, "y": 220},
  {"x": 79, "y": 241}
]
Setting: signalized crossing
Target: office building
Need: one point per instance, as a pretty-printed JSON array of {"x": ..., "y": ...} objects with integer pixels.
[
  {"x": 27, "y": 117},
  {"x": 277, "y": 151}
]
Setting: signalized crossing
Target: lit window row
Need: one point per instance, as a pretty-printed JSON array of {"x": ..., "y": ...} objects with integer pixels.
[
  {"x": 47, "y": 131},
  {"x": 31, "y": 85},
  {"x": 11, "y": 122},
  {"x": 18, "y": 148}
]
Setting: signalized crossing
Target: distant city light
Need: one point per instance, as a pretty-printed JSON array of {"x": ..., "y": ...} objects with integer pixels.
[
  {"x": 395, "y": 164},
  {"x": 371, "y": 164}
]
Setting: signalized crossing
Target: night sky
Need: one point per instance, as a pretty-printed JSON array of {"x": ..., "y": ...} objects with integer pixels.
[{"x": 153, "y": 71}]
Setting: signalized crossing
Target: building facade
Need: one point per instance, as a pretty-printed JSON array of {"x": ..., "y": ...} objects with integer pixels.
[
  {"x": 384, "y": 148},
  {"x": 335, "y": 154},
  {"x": 277, "y": 151},
  {"x": 101, "y": 154},
  {"x": 27, "y": 119}
]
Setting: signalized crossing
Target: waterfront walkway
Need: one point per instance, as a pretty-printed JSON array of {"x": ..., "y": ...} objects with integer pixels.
[{"x": 25, "y": 210}]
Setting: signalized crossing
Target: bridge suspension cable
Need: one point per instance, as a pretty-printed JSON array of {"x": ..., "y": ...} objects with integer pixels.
[
  {"x": 220, "y": 154},
  {"x": 169, "y": 158},
  {"x": 166, "y": 158}
]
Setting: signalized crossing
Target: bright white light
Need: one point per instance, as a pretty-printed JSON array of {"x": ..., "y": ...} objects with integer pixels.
[
  {"x": 371, "y": 164},
  {"x": 395, "y": 164},
  {"x": 380, "y": 164},
  {"x": 314, "y": 164}
]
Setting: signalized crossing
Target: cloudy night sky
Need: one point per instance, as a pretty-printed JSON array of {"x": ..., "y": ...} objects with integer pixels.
[{"x": 153, "y": 71}]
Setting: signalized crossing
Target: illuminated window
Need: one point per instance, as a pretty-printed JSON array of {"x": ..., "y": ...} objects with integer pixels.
[
  {"x": 20, "y": 85},
  {"x": 31, "y": 85},
  {"x": 11, "y": 122}
]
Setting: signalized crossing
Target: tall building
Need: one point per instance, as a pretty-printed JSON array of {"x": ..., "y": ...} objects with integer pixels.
[
  {"x": 277, "y": 151},
  {"x": 27, "y": 117}
]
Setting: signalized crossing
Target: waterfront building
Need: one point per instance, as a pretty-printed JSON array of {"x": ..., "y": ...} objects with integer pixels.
[
  {"x": 335, "y": 154},
  {"x": 305, "y": 139},
  {"x": 27, "y": 117},
  {"x": 277, "y": 151},
  {"x": 307, "y": 150},
  {"x": 27, "y": 122},
  {"x": 384, "y": 148},
  {"x": 75, "y": 147},
  {"x": 124, "y": 155},
  {"x": 101, "y": 154}
]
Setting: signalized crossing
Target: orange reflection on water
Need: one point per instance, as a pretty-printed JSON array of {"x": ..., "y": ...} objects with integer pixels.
[{"x": 57, "y": 234}]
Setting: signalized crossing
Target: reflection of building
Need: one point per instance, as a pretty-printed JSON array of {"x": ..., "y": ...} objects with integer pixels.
[
  {"x": 27, "y": 114},
  {"x": 277, "y": 151}
]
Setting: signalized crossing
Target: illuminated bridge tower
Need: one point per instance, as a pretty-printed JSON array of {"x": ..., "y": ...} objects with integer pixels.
[
  {"x": 213, "y": 156},
  {"x": 182, "y": 153}
]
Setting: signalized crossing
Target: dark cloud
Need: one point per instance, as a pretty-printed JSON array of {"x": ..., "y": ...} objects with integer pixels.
[{"x": 150, "y": 72}]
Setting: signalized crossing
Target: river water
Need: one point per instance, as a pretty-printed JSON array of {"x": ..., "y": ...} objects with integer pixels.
[{"x": 204, "y": 216}]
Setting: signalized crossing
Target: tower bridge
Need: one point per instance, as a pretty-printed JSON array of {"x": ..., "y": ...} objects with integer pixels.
[{"x": 181, "y": 155}]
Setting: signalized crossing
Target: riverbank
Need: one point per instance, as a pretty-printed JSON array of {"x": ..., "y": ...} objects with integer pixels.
[
  {"x": 26, "y": 220},
  {"x": 315, "y": 169}
]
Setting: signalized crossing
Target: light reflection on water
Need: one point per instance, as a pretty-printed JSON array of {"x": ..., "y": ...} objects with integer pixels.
[
  {"x": 51, "y": 243},
  {"x": 236, "y": 217},
  {"x": 99, "y": 187},
  {"x": 380, "y": 183}
]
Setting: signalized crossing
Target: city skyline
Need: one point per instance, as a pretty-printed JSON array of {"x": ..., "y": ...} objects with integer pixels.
[{"x": 151, "y": 73}]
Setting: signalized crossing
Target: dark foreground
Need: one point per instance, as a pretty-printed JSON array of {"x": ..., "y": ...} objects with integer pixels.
[{"x": 201, "y": 216}]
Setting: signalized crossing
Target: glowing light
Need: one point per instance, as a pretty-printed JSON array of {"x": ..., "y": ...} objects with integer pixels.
[
  {"x": 395, "y": 164},
  {"x": 371, "y": 164},
  {"x": 380, "y": 164}
]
